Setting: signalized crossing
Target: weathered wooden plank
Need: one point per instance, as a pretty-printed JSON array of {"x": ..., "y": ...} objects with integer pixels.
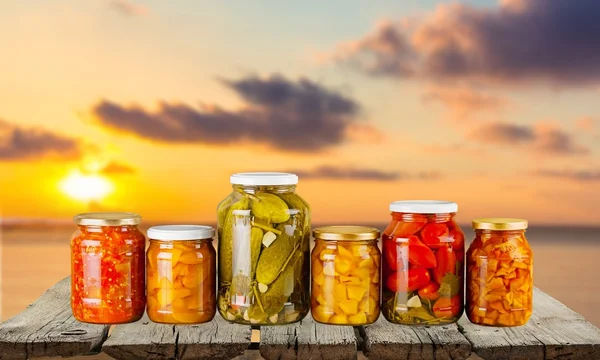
[
  {"x": 144, "y": 339},
  {"x": 47, "y": 328},
  {"x": 384, "y": 340},
  {"x": 553, "y": 332},
  {"x": 330, "y": 342},
  {"x": 279, "y": 342},
  {"x": 308, "y": 340}
]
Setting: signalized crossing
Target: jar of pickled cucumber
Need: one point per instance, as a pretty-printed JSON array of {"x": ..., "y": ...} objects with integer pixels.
[
  {"x": 423, "y": 253},
  {"x": 499, "y": 273},
  {"x": 264, "y": 244},
  {"x": 107, "y": 268},
  {"x": 345, "y": 275},
  {"x": 181, "y": 274}
]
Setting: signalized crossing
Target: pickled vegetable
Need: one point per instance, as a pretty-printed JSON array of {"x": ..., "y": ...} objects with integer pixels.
[
  {"x": 181, "y": 282},
  {"x": 499, "y": 279},
  {"x": 422, "y": 268},
  {"x": 107, "y": 274},
  {"x": 345, "y": 282},
  {"x": 264, "y": 235}
]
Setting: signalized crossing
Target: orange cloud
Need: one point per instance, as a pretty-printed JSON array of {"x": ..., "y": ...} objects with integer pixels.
[
  {"x": 117, "y": 168},
  {"x": 464, "y": 102},
  {"x": 587, "y": 123},
  {"x": 574, "y": 175},
  {"x": 128, "y": 8}
]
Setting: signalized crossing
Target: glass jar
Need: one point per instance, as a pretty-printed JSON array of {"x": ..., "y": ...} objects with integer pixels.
[
  {"x": 181, "y": 274},
  {"x": 345, "y": 275},
  {"x": 264, "y": 245},
  {"x": 499, "y": 273},
  {"x": 423, "y": 269},
  {"x": 107, "y": 268}
]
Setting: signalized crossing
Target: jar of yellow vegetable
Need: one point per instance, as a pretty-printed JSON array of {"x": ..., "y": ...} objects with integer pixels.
[
  {"x": 264, "y": 244},
  {"x": 181, "y": 274},
  {"x": 345, "y": 275}
]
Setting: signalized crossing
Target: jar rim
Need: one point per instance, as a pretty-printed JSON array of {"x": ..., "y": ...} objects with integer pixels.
[
  {"x": 107, "y": 219},
  {"x": 424, "y": 206},
  {"x": 263, "y": 179},
  {"x": 180, "y": 232},
  {"x": 499, "y": 224},
  {"x": 346, "y": 233}
]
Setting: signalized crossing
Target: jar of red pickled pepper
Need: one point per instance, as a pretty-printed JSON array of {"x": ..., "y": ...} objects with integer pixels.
[
  {"x": 181, "y": 275},
  {"x": 423, "y": 254},
  {"x": 499, "y": 273},
  {"x": 108, "y": 268}
]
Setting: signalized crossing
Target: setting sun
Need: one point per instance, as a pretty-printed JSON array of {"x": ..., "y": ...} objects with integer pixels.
[{"x": 86, "y": 187}]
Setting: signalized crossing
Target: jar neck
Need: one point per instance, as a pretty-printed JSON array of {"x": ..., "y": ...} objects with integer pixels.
[
  {"x": 410, "y": 217},
  {"x": 99, "y": 229},
  {"x": 480, "y": 232},
  {"x": 349, "y": 242},
  {"x": 194, "y": 241},
  {"x": 252, "y": 189}
]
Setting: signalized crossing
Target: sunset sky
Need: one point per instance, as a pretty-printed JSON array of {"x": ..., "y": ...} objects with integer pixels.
[{"x": 491, "y": 104}]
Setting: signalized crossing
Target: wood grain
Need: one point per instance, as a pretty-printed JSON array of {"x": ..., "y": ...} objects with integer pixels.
[
  {"x": 384, "y": 340},
  {"x": 553, "y": 332},
  {"x": 47, "y": 328},
  {"x": 144, "y": 339},
  {"x": 308, "y": 340}
]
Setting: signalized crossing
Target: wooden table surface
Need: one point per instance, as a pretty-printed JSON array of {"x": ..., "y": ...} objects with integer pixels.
[{"x": 47, "y": 328}]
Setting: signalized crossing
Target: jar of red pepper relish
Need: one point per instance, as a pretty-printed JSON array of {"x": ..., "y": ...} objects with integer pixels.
[
  {"x": 108, "y": 268},
  {"x": 423, "y": 264}
]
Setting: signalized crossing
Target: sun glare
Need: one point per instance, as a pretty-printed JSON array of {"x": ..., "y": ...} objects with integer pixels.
[{"x": 86, "y": 187}]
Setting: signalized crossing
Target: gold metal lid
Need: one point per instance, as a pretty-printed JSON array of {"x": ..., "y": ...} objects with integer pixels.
[
  {"x": 107, "y": 219},
  {"x": 499, "y": 224},
  {"x": 346, "y": 233}
]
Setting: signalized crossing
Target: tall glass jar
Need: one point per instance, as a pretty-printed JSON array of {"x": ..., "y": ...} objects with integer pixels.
[
  {"x": 423, "y": 269},
  {"x": 264, "y": 245},
  {"x": 107, "y": 268},
  {"x": 499, "y": 273},
  {"x": 181, "y": 274},
  {"x": 345, "y": 275}
]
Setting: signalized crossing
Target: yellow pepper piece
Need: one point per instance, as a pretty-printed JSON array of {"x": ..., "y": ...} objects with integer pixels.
[
  {"x": 350, "y": 307},
  {"x": 357, "y": 319},
  {"x": 356, "y": 292},
  {"x": 338, "y": 319}
]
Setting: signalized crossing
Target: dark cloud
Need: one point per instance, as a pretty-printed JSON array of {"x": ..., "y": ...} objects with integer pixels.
[
  {"x": 286, "y": 115},
  {"x": 117, "y": 168},
  {"x": 519, "y": 40},
  {"x": 503, "y": 133},
  {"x": 543, "y": 138},
  {"x": 126, "y": 7},
  {"x": 580, "y": 175},
  {"x": 18, "y": 143},
  {"x": 337, "y": 173}
]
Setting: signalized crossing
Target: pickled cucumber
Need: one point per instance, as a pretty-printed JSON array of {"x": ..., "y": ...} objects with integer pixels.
[
  {"x": 273, "y": 258},
  {"x": 270, "y": 207},
  {"x": 226, "y": 240},
  {"x": 274, "y": 299},
  {"x": 256, "y": 237}
]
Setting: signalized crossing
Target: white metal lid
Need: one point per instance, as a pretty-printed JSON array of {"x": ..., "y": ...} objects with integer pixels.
[
  {"x": 424, "y": 206},
  {"x": 180, "y": 232},
  {"x": 264, "y": 178}
]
